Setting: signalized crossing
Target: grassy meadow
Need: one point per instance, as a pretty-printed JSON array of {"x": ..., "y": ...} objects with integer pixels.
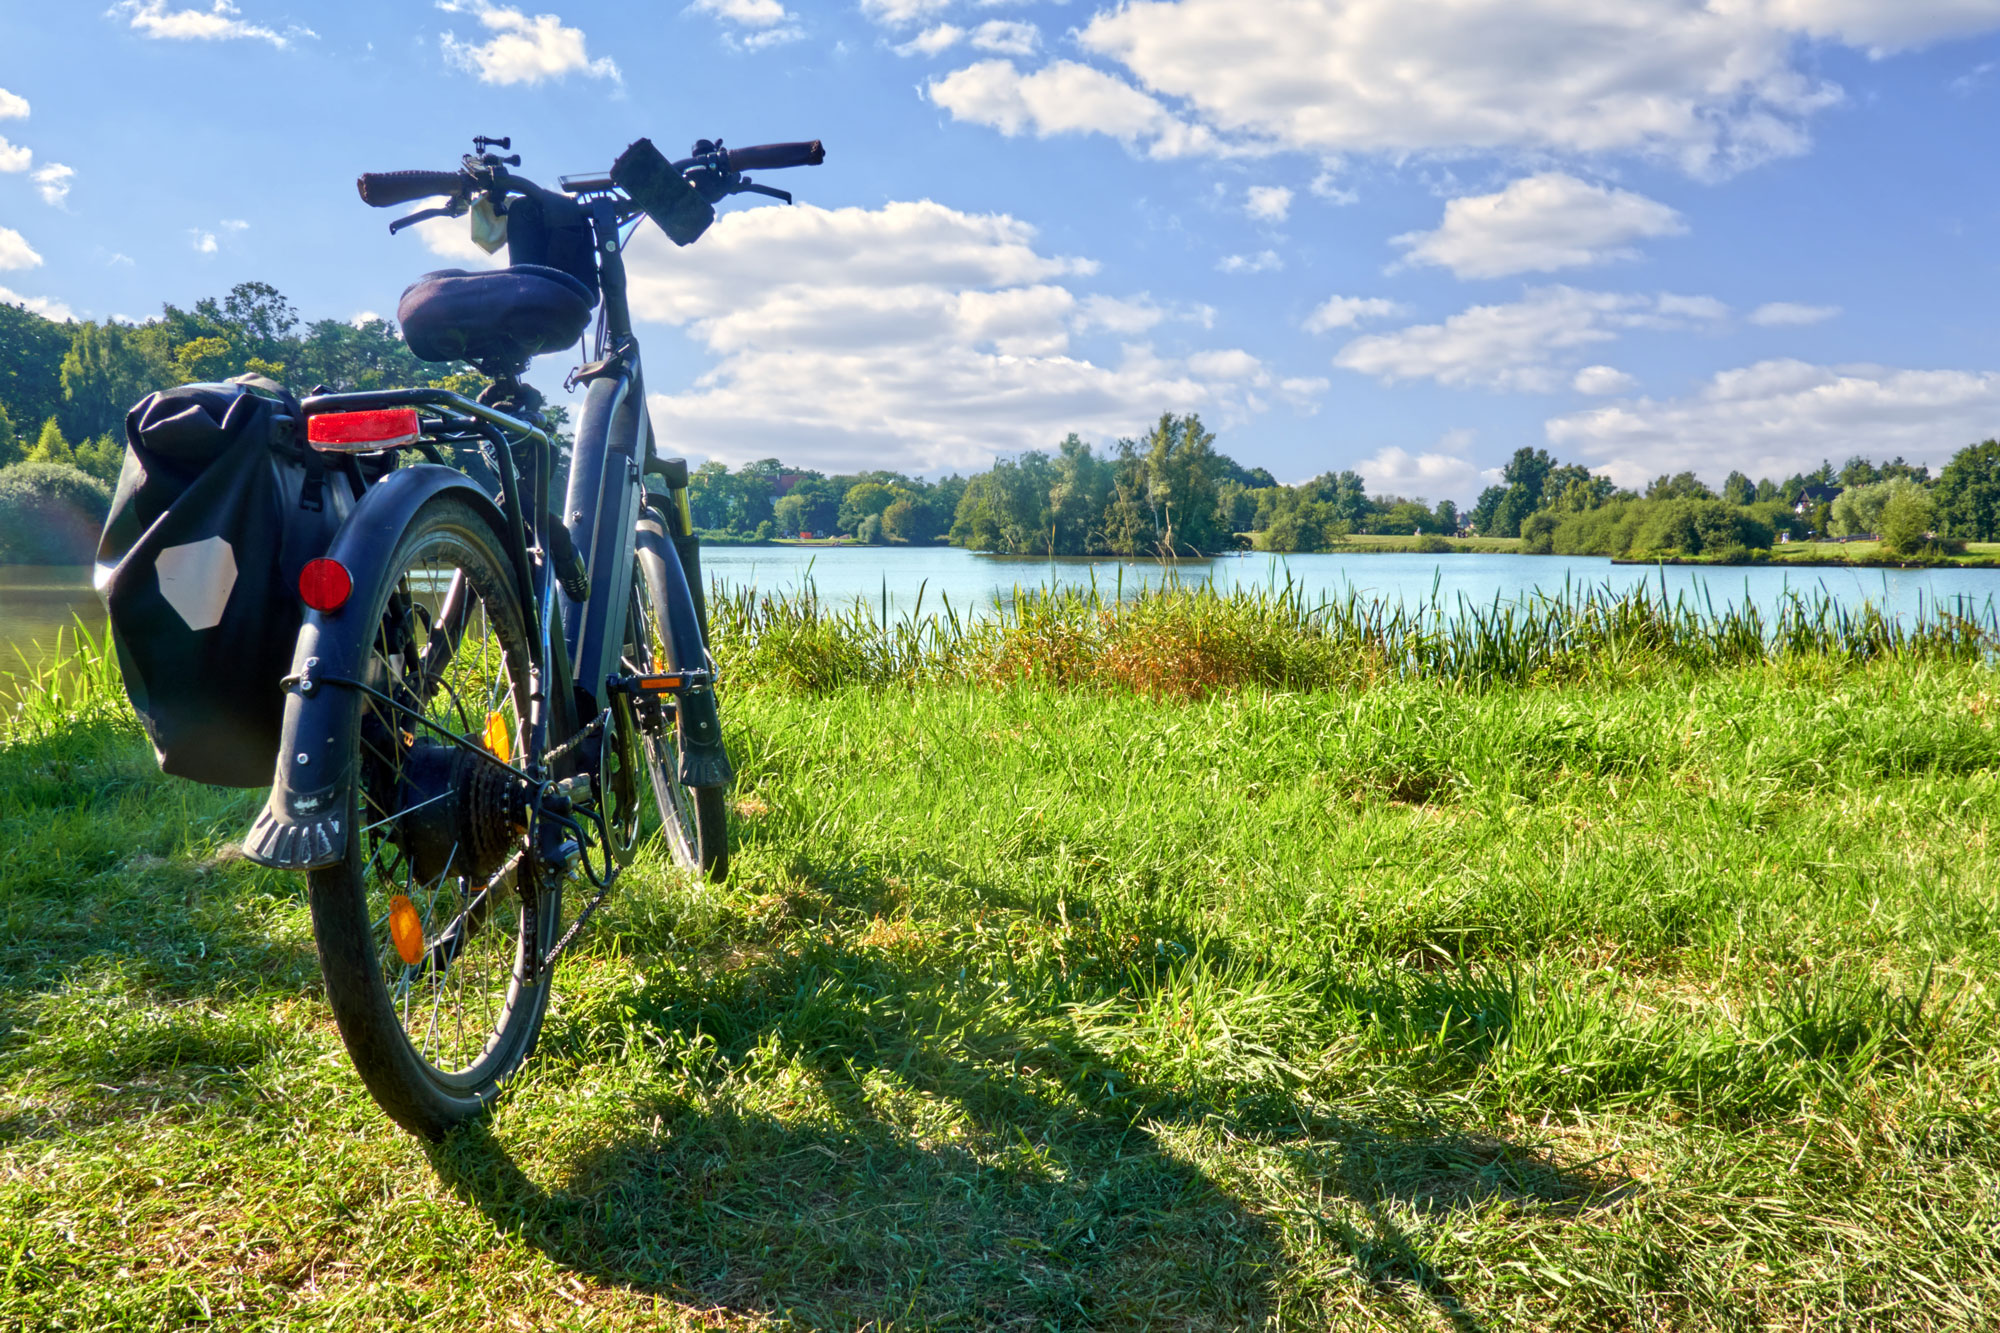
[{"x": 1198, "y": 963}]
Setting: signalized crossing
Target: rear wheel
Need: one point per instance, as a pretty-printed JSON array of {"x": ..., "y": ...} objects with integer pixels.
[{"x": 425, "y": 935}]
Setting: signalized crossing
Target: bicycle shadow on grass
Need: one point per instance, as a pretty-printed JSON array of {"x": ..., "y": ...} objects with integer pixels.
[{"x": 866, "y": 1147}]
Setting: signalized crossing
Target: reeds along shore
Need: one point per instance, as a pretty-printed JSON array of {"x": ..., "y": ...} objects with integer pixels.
[{"x": 1191, "y": 640}]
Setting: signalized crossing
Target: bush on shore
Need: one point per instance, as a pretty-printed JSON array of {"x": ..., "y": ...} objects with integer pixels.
[{"x": 50, "y": 514}]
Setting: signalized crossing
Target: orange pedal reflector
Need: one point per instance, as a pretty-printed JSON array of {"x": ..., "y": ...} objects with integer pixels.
[
  {"x": 659, "y": 684},
  {"x": 498, "y": 742},
  {"x": 406, "y": 929}
]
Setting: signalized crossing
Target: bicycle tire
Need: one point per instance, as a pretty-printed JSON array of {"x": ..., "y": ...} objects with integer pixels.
[
  {"x": 694, "y": 821},
  {"x": 474, "y": 947}
]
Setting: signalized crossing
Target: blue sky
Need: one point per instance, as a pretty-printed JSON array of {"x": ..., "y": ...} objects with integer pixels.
[{"x": 1402, "y": 236}]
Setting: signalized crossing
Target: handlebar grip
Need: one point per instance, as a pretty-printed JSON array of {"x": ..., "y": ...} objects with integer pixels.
[
  {"x": 381, "y": 189},
  {"x": 770, "y": 156}
]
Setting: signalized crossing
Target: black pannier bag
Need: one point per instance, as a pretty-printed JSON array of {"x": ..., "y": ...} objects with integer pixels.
[{"x": 220, "y": 505}]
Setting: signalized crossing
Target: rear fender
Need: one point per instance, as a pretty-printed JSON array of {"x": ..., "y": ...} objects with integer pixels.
[{"x": 305, "y": 824}]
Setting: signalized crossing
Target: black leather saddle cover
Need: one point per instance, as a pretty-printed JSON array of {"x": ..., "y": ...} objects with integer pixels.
[{"x": 507, "y": 314}]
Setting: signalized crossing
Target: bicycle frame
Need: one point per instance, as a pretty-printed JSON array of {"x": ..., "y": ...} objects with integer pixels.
[{"x": 576, "y": 648}]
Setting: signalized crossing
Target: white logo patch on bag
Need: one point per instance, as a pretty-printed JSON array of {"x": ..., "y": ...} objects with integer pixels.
[{"x": 196, "y": 579}]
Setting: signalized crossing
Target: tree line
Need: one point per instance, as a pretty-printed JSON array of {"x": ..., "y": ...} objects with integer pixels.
[
  {"x": 65, "y": 389},
  {"x": 1566, "y": 509}
]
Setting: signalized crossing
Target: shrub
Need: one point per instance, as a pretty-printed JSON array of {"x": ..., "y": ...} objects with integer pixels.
[
  {"x": 50, "y": 514},
  {"x": 1432, "y": 544},
  {"x": 1906, "y": 519},
  {"x": 1538, "y": 532}
]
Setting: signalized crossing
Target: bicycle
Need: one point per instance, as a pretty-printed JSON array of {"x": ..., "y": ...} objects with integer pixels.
[{"x": 482, "y": 690}]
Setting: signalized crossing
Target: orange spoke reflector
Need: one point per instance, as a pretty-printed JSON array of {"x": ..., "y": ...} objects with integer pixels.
[
  {"x": 406, "y": 929},
  {"x": 363, "y": 432},
  {"x": 497, "y": 742}
]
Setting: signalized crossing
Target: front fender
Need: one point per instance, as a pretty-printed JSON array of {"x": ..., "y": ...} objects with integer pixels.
[{"x": 306, "y": 822}]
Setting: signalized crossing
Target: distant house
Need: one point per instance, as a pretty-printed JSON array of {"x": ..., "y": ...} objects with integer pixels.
[{"x": 1812, "y": 497}]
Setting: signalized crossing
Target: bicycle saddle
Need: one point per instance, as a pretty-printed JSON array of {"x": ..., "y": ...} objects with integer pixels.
[{"x": 506, "y": 314}]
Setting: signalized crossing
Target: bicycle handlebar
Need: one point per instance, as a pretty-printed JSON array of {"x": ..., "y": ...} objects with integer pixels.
[
  {"x": 770, "y": 156},
  {"x": 382, "y": 189}
]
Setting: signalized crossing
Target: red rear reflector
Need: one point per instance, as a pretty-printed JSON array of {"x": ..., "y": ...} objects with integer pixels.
[
  {"x": 363, "y": 432},
  {"x": 325, "y": 585}
]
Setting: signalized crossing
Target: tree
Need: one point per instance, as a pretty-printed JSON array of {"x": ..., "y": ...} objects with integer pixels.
[
  {"x": 1502, "y": 509},
  {"x": 1906, "y": 518},
  {"x": 1857, "y": 512},
  {"x": 812, "y": 505},
  {"x": 107, "y": 369},
  {"x": 31, "y": 357},
  {"x": 1680, "y": 486},
  {"x": 1739, "y": 490},
  {"x": 1181, "y": 470},
  {"x": 51, "y": 447},
  {"x": 205, "y": 360},
  {"x": 10, "y": 444},
  {"x": 862, "y": 502},
  {"x": 1968, "y": 494}
]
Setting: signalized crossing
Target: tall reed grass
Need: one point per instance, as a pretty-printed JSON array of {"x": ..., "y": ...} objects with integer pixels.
[{"x": 1187, "y": 641}]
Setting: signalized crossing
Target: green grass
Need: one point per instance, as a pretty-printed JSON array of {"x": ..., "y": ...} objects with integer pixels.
[
  {"x": 1367, "y": 543},
  {"x": 1470, "y": 986},
  {"x": 1977, "y": 555}
]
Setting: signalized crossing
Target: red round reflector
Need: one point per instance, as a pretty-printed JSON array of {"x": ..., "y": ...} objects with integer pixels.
[{"x": 325, "y": 585}]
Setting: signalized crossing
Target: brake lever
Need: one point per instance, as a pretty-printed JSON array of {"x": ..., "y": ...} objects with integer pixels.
[
  {"x": 746, "y": 187},
  {"x": 455, "y": 209}
]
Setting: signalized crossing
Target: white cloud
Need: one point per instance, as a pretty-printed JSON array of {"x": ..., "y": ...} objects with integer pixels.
[
  {"x": 1268, "y": 203},
  {"x": 768, "y": 22},
  {"x": 1713, "y": 87},
  {"x": 13, "y": 106},
  {"x": 1344, "y": 312},
  {"x": 14, "y": 157},
  {"x": 1226, "y": 364},
  {"x": 1117, "y": 316},
  {"x": 1436, "y": 474},
  {"x": 1523, "y": 344},
  {"x": 1883, "y": 28},
  {"x": 1264, "y": 261},
  {"x": 1777, "y": 418},
  {"x": 1327, "y": 186},
  {"x": 451, "y": 238},
  {"x": 1600, "y": 381},
  {"x": 204, "y": 242},
  {"x": 932, "y": 40},
  {"x": 15, "y": 252},
  {"x": 1006, "y": 38},
  {"x": 1539, "y": 224},
  {"x": 1780, "y": 314},
  {"x": 44, "y": 306},
  {"x": 52, "y": 181},
  {"x": 219, "y": 22},
  {"x": 522, "y": 49},
  {"x": 1066, "y": 98},
  {"x": 910, "y": 335},
  {"x": 363, "y": 318},
  {"x": 235, "y": 224},
  {"x": 1135, "y": 315},
  {"x": 903, "y": 11}
]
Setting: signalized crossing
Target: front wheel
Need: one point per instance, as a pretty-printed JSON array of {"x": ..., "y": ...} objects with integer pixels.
[
  {"x": 425, "y": 931},
  {"x": 693, "y": 820}
]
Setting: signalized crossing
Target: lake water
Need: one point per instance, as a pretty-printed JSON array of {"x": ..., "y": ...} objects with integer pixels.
[
  {"x": 37, "y": 601},
  {"x": 893, "y": 577}
]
